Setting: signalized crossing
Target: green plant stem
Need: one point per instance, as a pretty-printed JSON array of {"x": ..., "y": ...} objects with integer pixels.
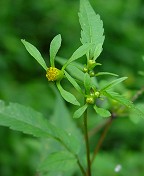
[
  {"x": 81, "y": 167},
  {"x": 87, "y": 144},
  {"x": 101, "y": 139},
  {"x": 138, "y": 94}
]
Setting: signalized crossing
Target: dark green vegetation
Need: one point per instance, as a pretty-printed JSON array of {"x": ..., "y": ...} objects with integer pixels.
[{"x": 23, "y": 81}]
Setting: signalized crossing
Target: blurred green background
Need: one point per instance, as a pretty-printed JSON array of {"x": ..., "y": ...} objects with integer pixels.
[{"x": 22, "y": 80}]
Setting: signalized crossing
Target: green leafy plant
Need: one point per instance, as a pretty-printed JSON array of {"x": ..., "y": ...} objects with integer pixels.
[{"x": 71, "y": 157}]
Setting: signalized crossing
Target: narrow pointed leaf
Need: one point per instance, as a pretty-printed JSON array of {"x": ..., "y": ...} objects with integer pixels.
[
  {"x": 87, "y": 83},
  {"x": 102, "y": 112},
  {"x": 105, "y": 73},
  {"x": 74, "y": 68},
  {"x": 67, "y": 96},
  {"x": 60, "y": 161},
  {"x": 82, "y": 50},
  {"x": 91, "y": 25},
  {"x": 80, "y": 111},
  {"x": 121, "y": 99},
  {"x": 54, "y": 47},
  {"x": 33, "y": 51},
  {"x": 73, "y": 82},
  {"x": 113, "y": 83}
]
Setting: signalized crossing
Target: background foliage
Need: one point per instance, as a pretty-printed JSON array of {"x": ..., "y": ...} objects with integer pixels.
[{"x": 23, "y": 81}]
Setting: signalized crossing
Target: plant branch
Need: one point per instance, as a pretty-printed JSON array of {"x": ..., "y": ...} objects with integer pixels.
[
  {"x": 107, "y": 125},
  {"x": 97, "y": 128},
  {"x": 87, "y": 144}
]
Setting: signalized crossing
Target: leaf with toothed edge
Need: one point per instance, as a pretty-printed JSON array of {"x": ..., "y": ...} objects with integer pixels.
[
  {"x": 28, "y": 121},
  {"x": 92, "y": 28}
]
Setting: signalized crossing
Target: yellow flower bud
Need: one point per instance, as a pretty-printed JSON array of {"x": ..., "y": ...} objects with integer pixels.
[
  {"x": 54, "y": 74},
  {"x": 90, "y": 100}
]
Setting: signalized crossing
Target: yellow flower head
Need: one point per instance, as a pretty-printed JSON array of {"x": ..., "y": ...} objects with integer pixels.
[{"x": 54, "y": 74}]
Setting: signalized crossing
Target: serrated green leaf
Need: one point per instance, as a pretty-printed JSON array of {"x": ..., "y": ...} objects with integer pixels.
[
  {"x": 80, "y": 111},
  {"x": 27, "y": 120},
  {"x": 33, "y": 51},
  {"x": 73, "y": 82},
  {"x": 92, "y": 26},
  {"x": 54, "y": 47},
  {"x": 82, "y": 50},
  {"x": 67, "y": 95},
  {"x": 87, "y": 83},
  {"x": 102, "y": 112},
  {"x": 113, "y": 83},
  {"x": 105, "y": 73},
  {"x": 97, "y": 51},
  {"x": 60, "y": 161}
]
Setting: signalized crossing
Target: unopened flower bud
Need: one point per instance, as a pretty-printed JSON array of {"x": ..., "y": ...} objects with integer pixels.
[
  {"x": 90, "y": 100},
  {"x": 91, "y": 73},
  {"x": 97, "y": 94},
  {"x": 91, "y": 62},
  {"x": 85, "y": 69}
]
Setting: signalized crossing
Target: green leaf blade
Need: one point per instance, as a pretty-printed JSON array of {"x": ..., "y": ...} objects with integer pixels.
[
  {"x": 102, "y": 112},
  {"x": 105, "y": 73},
  {"x": 113, "y": 83},
  {"x": 121, "y": 99},
  {"x": 80, "y": 111},
  {"x": 54, "y": 47},
  {"x": 60, "y": 161},
  {"x": 92, "y": 26},
  {"x": 73, "y": 82},
  {"x": 82, "y": 50},
  {"x": 67, "y": 95},
  {"x": 28, "y": 121},
  {"x": 33, "y": 51},
  {"x": 124, "y": 101},
  {"x": 24, "y": 119}
]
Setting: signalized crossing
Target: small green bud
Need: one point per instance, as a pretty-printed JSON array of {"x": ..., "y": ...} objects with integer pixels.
[
  {"x": 91, "y": 62},
  {"x": 92, "y": 73},
  {"x": 90, "y": 100},
  {"x": 85, "y": 69},
  {"x": 97, "y": 94}
]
